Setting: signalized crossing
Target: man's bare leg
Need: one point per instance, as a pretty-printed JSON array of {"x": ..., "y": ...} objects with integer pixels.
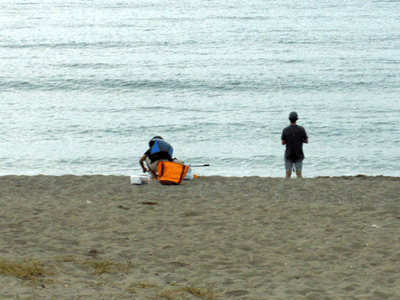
[
  {"x": 153, "y": 173},
  {"x": 150, "y": 169},
  {"x": 298, "y": 173},
  {"x": 288, "y": 174}
]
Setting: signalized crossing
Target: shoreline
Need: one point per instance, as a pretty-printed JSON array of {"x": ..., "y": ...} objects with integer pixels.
[{"x": 199, "y": 175}]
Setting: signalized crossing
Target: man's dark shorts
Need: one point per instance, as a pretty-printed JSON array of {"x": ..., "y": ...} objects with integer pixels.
[{"x": 289, "y": 165}]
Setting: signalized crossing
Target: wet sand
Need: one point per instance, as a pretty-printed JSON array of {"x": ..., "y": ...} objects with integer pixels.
[{"x": 99, "y": 237}]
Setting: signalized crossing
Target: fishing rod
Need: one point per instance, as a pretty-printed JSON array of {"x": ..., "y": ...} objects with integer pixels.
[{"x": 204, "y": 165}]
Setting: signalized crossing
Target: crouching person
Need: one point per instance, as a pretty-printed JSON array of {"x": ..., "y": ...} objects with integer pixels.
[{"x": 159, "y": 150}]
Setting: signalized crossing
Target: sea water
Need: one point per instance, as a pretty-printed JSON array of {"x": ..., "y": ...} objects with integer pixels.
[{"x": 84, "y": 85}]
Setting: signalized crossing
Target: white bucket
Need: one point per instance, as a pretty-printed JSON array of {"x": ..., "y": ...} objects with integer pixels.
[
  {"x": 141, "y": 179},
  {"x": 145, "y": 179},
  {"x": 189, "y": 175}
]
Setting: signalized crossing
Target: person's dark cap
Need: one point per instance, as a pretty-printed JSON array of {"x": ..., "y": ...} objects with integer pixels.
[{"x": 293, "y": 116}]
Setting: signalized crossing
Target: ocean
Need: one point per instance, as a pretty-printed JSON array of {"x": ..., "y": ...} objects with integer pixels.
[{"x": 84, "y": 85}]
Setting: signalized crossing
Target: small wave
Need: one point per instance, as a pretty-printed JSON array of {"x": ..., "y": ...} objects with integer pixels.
[
  {"x": 131, "y": 85},
  {"x": 194, "y": 86},
  {"x": 71, "y": 45},
  {"x": 90, "y": 66},
  {"x": 247, "y": 18}
]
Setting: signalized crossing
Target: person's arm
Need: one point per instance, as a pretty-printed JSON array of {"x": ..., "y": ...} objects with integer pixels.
[
  {"x": 283, "y": 138},
  {"x": 305, "y": 137},
  {"x": 141, "y": 162}
]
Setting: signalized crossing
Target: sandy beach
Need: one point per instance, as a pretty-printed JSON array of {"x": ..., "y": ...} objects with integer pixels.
[{"x": 99, "y": 237}]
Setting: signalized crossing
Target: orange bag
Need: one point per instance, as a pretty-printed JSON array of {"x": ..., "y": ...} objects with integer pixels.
[{"x": 171, "y": 173}]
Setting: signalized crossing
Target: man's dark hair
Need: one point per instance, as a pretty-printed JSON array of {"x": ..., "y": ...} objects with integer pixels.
[
  {"x": 151, "y": 143},
  {"x": 293, "y": 117}
]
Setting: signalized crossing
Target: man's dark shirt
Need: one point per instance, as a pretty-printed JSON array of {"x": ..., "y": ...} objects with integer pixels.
[
  {"x": 157, "y": 156},
  {"x": 294, "y": 136}
]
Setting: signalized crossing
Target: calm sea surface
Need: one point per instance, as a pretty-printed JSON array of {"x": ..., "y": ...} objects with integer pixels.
[{"x": 84, "y": 85}]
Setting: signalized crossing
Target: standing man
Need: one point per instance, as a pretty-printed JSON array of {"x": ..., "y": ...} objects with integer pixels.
[{"x": 293, "y": 137}]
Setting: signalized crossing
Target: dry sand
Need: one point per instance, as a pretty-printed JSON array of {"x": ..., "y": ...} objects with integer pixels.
[{"x": 98, "y": 237}]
